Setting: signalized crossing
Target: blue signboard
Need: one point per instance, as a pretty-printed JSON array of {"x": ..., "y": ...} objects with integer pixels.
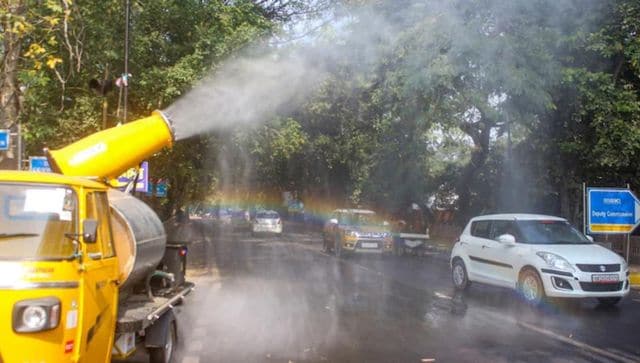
[
  {"x": 143, "y": 178},
  {"x": 612, "y": 210},
  {"x": 39, "y": 163},
  {"x": 4, "y": 139},
  {"x": 158, "y": 189}
]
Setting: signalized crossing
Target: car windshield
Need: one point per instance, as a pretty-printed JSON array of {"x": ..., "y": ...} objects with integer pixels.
[
  {"x": 267, "y": 215},
  {"x": 362, "y": 219},
  {"x": 550, "y": 232},
  {"x": 34, "y": 220}
]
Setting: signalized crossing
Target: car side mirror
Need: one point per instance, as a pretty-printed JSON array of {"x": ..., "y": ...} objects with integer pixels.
[
  {"x": 507, "y": 239},
  {"x": 589, "y": 238},
  {"x": 333, "y": 221},
  {"x": 89, "y": 230}
]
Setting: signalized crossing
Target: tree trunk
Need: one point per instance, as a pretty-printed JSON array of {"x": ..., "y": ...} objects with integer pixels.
[
  {"x": 480, "y": 133},
  {"x": 9, "y": 87}
]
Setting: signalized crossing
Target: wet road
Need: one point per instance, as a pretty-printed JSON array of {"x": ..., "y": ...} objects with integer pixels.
[{"x": 283, "y": 300}]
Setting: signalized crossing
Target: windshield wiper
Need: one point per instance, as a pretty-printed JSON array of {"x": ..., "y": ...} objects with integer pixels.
[{"x": 14, "y": 235}]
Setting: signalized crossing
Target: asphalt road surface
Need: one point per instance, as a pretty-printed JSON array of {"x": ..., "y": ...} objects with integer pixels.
[{"x": 280, "y": 299}]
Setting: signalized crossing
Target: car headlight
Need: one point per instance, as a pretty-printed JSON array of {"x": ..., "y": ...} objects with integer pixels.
[
  {"x": 353, "y": 234},
  {"x": 35, "y": 315},
  {"x": 624, "y": 266},
  {"x": 555, "y": 261}
]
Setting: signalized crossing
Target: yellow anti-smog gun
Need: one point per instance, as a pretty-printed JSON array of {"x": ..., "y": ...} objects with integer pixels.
[{"x": 86, "y": 273}]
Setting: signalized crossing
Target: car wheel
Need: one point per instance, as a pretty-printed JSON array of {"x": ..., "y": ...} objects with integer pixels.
[
  {"x": 608, "y": 301},
  {"x": 459, "y": 275},
  {"x": 531, "y": 288}
]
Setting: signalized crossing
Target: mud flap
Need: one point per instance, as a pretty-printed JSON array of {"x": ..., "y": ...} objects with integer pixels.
[{"x": 156, "y": 334}]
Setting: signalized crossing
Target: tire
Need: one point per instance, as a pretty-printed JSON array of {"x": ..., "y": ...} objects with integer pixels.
[
  {"x": 459, "y": 275},
  {"x": 165, "y": 354},
  {"x": 608, "y": 301},
  {"x": 531, "y": 288}
]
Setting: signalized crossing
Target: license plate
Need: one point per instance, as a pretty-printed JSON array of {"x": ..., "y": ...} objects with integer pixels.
[
  {"x": 605, "y": 278},
  {"x": 369, "y": 245}
]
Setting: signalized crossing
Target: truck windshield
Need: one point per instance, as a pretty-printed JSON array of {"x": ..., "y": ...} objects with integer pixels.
[{"x": 34, "y": 220}]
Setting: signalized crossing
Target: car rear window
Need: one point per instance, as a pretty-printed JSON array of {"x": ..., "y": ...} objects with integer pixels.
[
  {"x": 480, "y": 229},
  {"x": 267, "y": 215}
]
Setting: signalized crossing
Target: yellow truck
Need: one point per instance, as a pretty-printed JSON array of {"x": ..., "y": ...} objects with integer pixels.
[{"x": 86, "y": 274}]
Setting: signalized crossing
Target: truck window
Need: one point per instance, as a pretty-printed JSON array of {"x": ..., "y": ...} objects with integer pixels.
[{"x": 98, "y": 209}]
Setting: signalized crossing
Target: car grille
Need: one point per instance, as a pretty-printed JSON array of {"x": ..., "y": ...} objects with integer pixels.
[
  {"x": 596, "y": 268},
  {"x": 600, "y": 287}
]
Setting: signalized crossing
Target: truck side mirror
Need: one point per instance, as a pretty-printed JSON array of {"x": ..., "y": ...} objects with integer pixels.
[{"x": 89, "y": 230}]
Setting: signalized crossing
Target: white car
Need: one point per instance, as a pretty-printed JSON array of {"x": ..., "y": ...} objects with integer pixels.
[
  {"x": 539, "y": 256},
  {"x": 267, "y": 222}
]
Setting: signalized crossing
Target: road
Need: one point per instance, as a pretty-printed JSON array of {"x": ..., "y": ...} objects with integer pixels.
[{"x": 280, "y": 299}]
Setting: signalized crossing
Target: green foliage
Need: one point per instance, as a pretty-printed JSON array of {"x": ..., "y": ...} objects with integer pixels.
[{"x": 423, "y": 111}]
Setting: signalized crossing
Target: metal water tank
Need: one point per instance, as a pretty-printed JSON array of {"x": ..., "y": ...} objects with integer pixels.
[{"x": 139, "y": 239}]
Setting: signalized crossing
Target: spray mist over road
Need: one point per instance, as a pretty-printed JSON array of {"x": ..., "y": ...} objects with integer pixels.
[
  {"x": 254, "y": 87},
  {"x": 244, "y": 91}
]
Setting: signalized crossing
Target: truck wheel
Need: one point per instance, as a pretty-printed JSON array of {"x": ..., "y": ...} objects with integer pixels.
[{"x": 165, "y": 353}]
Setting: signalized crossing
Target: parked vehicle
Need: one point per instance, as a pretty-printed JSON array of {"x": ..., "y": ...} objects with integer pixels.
[
  {"x": 239, "y": 218},
  {"x": 356, "y": 231},
  {"x": 540, "y": 256},
  {"x": 266, "y": 222}
]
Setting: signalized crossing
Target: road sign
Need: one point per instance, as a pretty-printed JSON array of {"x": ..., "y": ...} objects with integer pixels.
[
  {"x": 612, "y": 211},
  {"x": 157, "y": 189},
  {"x": 143, "y": 178},
  {"x": 39, "y": 163},
  {"x": 4, "y": 139}
]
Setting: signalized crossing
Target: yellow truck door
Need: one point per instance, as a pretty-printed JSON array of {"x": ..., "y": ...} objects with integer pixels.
[{"x": 99, "y": 290}]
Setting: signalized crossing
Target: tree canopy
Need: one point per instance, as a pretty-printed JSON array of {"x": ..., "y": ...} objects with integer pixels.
[{"x": 473, "y": 105}]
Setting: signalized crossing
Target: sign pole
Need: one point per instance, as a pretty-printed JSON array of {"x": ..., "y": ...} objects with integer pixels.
[
  {"x": 19, "y": 146},
  {"x": 584, "y": 208}
]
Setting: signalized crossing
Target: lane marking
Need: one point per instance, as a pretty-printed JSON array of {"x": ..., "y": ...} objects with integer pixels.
[
  {"x": 624, "y": 354},
  {"x": 575, "y": 343}
]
